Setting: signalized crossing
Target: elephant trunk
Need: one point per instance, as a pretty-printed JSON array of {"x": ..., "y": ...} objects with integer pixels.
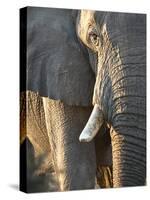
[
  {"x": 128, "y": 134},
  {"x": 128, "y": 118},
  {"x": 129, "y": 157}
]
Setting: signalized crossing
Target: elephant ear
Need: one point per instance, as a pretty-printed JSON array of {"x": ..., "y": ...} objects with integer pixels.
[{"x": 57, "y": 64}]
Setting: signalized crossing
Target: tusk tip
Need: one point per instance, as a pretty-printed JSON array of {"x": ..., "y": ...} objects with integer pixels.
[{"x": 84, "y": 138}]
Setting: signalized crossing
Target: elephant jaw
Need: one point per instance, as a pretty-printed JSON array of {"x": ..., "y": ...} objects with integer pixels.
[{"x": 93, "y": 125}]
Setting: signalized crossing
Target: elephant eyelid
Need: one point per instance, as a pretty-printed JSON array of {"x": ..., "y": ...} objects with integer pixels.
[{"x": 92, "y": 36}]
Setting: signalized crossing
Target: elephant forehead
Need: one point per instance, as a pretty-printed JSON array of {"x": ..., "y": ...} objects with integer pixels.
[{"x": 86, "y": 19}]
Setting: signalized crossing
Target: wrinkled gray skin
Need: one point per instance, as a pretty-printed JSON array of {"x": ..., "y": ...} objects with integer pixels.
[
  {"x": 41, "y": 167},
  {"x": 60, "y": 85},
  {"x": 117, "y": 49},
  {"x": 35, "y": 147}
]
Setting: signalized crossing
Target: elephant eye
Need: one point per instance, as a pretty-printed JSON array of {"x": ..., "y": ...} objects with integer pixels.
[{"x": 93, "y": 37}]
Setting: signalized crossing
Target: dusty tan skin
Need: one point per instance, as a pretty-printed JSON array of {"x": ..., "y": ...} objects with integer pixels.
[
  {"x": 32, "y": 121},
  {"x": 40, "y": 171}
]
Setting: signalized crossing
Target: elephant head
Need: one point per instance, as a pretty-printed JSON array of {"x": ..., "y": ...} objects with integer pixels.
[
  {"x": 67, "y": 50},
  {"x": 116, "y": 43}
]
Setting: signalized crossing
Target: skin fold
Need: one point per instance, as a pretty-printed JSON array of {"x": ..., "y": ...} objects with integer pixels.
[{"x": 117, "y": 43}]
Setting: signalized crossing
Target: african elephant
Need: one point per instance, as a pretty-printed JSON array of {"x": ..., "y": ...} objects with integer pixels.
[
  {"x": 116, "y": 43},
  {"x": 57, "y": 99},
  {"x": 67, "y": 51}
]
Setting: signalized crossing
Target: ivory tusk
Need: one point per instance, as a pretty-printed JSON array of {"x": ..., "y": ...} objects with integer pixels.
[{"x": 93, "y": 125}]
